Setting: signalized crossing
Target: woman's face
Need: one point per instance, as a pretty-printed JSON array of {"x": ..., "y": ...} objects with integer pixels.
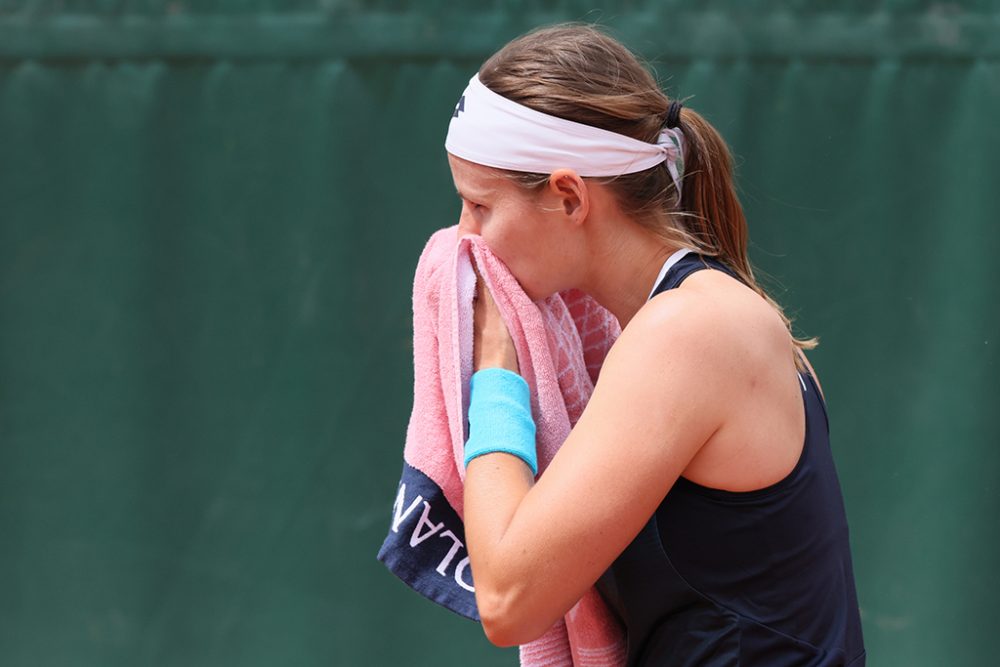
[{"x": 516, "y": 225}]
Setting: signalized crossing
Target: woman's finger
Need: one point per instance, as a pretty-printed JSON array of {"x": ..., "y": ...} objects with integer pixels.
[{"x": 492, "y": 343}]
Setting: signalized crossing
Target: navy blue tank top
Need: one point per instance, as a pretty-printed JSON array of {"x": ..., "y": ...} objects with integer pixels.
[{"x": 720, "y": 578}]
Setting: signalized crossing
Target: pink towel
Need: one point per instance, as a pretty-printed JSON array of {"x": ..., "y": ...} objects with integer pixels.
[{"x": 561, "y": 343}]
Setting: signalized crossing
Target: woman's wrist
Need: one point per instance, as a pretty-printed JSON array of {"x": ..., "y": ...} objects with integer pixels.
[
  {"x": 497, "y": 361},
  {"x": 500, "y": 416}
]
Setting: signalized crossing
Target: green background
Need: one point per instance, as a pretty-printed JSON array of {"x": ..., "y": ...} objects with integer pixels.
[{"x": 210, "y": 213}]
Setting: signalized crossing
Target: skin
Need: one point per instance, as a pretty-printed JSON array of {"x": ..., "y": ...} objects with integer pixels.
[{"x": 701, "y": 383}]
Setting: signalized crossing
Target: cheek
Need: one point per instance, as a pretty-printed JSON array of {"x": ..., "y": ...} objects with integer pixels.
[
  {"x": 521, "y": 252},
  {"x": 499, "y": 231},
  {"x": 501, "y": 242},
  {"x": 510, "y": 236}
]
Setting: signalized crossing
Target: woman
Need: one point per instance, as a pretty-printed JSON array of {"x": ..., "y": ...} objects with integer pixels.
[{"x": 697, "y": 489}]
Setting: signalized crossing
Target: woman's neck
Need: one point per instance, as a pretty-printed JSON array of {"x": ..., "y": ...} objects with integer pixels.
[{"x": 624, "y": 264}]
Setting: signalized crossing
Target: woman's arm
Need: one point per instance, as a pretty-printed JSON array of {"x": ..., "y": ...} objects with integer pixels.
[{"x": 536, "y": 547}]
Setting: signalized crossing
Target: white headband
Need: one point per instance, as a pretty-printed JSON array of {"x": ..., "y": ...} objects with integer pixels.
[{"x": 491, "y": 130}]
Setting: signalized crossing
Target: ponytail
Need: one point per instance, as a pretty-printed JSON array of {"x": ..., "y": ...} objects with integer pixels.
[{"x": 714, "y": 214}]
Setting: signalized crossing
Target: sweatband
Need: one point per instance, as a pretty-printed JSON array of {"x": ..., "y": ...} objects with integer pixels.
[
  {"x": 491, "y": 130},
  {"x": 500, "y": 417}
]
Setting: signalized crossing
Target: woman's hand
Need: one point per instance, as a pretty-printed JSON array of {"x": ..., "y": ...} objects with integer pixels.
[{"x": 492, "y": 346}]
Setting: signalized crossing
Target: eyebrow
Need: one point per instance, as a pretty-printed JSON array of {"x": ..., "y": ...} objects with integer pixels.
[{"x": 474, "y": 195}]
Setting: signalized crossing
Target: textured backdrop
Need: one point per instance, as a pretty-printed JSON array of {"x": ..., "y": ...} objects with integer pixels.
[{"x": 210, "y": 213}]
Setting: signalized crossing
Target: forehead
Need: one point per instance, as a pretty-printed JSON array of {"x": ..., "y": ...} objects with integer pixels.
[{"x": 475, "y": 179}]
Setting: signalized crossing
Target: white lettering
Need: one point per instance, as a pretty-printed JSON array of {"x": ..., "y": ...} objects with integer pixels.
[
  {"x": 462, "y": 564},
  {"x": 397, "y": 508},
  {"x": 416, "y": 538},
  {"x": 429, "y": 529},
  {"x": 456, "y": 545}
]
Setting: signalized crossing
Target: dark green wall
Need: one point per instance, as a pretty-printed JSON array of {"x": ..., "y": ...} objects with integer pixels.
[{"x": 209, "y": 217}]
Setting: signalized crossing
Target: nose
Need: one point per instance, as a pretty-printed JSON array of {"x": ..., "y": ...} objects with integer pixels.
[{"x": 467, "y": 223}]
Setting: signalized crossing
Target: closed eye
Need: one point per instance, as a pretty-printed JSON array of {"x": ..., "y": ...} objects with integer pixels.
[{"x": 471, "y": 204}]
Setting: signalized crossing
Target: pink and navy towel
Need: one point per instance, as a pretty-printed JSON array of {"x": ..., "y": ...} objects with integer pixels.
[{"x": 561, "y": 343}]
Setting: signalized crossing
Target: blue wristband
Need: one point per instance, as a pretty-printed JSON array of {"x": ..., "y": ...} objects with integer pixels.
[{"x": 500, "y": 417}]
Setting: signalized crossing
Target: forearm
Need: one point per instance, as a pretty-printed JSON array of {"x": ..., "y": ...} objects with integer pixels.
[
  {"x": 496, "y": 484},
  {"x": 501, "y": 463}
]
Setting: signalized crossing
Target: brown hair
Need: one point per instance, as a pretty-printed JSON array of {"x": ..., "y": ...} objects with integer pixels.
[{"x": 579, "y": 73}]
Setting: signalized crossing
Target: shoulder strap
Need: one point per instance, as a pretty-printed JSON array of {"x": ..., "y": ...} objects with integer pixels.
[{"x": 686, "y": 266}]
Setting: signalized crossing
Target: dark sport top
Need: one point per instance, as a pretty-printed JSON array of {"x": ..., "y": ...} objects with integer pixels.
[{"x": 752, "y": 578}]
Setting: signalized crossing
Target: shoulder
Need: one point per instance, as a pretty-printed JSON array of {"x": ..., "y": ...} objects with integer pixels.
[
  {"x": 712, "y": 327},
  {"x": 704, "y": 316}
]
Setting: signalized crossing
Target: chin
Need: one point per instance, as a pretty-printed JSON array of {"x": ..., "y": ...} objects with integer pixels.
[
  {"x": 539, "y": 295},
  {"x": 536, "y": 292}
]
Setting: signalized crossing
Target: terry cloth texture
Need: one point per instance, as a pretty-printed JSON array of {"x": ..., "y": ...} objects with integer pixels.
[{"x": 561, "y": 343}]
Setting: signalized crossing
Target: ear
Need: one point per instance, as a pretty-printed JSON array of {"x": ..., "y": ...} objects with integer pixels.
[{"x": 570, "y": 191}]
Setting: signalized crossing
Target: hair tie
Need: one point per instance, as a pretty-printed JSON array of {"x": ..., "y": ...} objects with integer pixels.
[{"x": 674, "y": 114}]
